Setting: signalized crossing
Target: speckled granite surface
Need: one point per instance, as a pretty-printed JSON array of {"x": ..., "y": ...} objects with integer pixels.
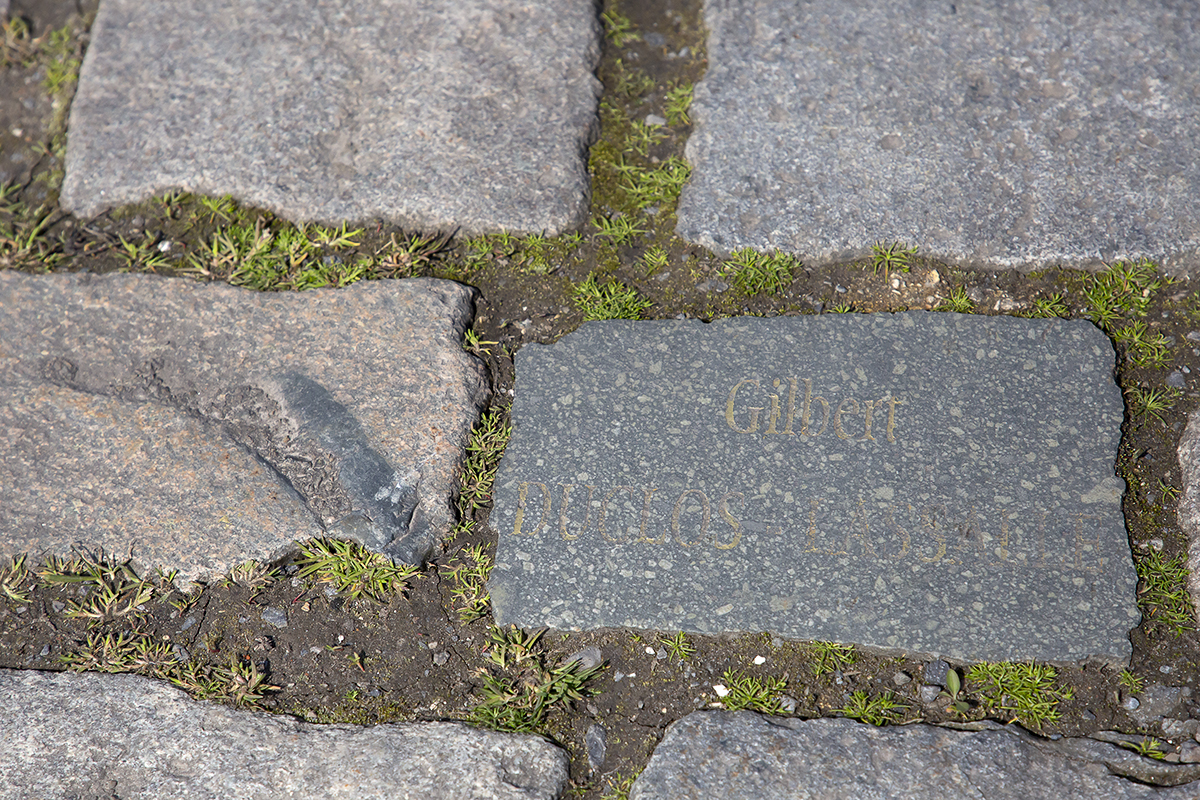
[
  {"x": 998, "y": 132},
  {"x": 470, "y": 115},
  {"x": 196, "y": 426},
  {"x": 931, "y": 482}
]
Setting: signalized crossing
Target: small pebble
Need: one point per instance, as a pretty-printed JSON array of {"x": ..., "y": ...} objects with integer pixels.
[
  {"x": 1131, "y": 704},
  {"x": 187, "y": 623},
  {"x": 57, "y": 606},
  {"x": 930, "y": 693},
  {"x": 1176, "y": 380},
  {"x": 45, "y": 651},
  {"x": 935, "y": 673},
  {"x": 595, "y": 741},
  {"x": 440, "y": 658},
  {"x": 654, "y": 120},
  {"x": 588, "y": 657},
  {"x": 275, "y": 616},
  {"x": 760, "y": 660},
  {"x": 1165, "y": 669},
  {"x": 650, "y": 651},
  {"x": 788, "y": 704},
  {"x": 721, "y": 690},
  {"x": 901, "y": 679},
  {"x": 617, "y": 676},
  {"x": 661, "y": 655}
]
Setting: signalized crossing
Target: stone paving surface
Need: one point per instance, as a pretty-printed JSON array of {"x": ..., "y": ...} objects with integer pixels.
[
  {"x": 752, "y": 757},
  {"x": 1001, "y": 133},
  {"x": 910, "y": 481},
  {"x": 68, "y": 735},
  {"x": 1189, "y": 501},
  {"x": 200, "y": 425},
  {"x": 435, "y": 115}
]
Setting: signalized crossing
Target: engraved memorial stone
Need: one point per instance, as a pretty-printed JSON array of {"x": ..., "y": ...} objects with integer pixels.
[{"x": 930, "y": 482}]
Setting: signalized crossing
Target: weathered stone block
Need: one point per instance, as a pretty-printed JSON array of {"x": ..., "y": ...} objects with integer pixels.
[{"x": 924, "y": 481}]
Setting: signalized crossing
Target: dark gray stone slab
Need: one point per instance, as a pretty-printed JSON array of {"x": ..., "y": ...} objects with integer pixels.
[
  {"x": 749, "y": 756},
  {"x": 125, "y": 736},
  {"x": 433, "y": 114},
  {"x": 1002, "y": 133},
  {"x": 932, "y": 482},
  {"x": 200, "y": 425}
]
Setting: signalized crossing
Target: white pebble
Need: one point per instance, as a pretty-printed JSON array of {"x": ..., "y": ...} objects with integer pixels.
[
  {"x": 760, "y": 660},
  {"x": 720, "y": 690}
]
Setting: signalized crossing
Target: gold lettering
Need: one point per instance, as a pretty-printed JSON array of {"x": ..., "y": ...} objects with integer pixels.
[
  {"x": 723, "y": 510},
  {"x": 870, "y": 406},
  {"x": 905, "y": 538},
  {"x": 865, "y": 537},
  {"x": 837, "y": 417},
  {"x": 604, "y": 510},
  {"x": 774, "y": 411},
  {"x": 793, "y": 386},
  {"x": 931, "y": 523},
  {"x": 754, "y": 412},
  {"x": 812, "y": 527},
  {"x": 522, "y": 502},
  {"x": 806, "y": 414},
  {"x": 704, "y": 519},
  {"x": 891, "y": 428},
  {"x": 662, "y": 537},
  {"x": 562, "y": 511},
  {"x": 1002, "y": 550}
]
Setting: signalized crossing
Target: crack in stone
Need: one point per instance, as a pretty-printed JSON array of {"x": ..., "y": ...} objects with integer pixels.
[{"x": 297, "y": 429}]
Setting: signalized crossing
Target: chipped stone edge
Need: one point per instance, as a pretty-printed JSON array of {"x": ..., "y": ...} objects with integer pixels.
[{"x": 1189, "y": 506}]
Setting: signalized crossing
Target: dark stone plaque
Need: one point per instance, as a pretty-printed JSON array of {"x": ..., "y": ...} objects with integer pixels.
[{"x": 931, "y": 482}]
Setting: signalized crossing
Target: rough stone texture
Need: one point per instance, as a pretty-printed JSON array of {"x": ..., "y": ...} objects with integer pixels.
[
  {"x": 1189, "y": 505},
  {"x": 200, "y": 425},
  {"x": 752, "y": 757},
  {"x": 125, "y": 736},
  {"x": 1002, "y": 133},
  {"x": 722, "y": 477},
  {"x": 429, "y": 113}
]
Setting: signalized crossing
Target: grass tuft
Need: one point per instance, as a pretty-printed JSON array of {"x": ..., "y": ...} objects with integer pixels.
[
  {"x": 353, "y": 569},
  {"x": 1023, "y": 692},
  {"x": 469, "y": 571},
  {"x": 484, "y": 451},
  {"x": 958, "y": 302},
  {"x": 894, "y": 257},
  {"x": 519, "y": 691},
  {"x": 830, "y": 656},
  {"x": 611, "y": 300},
  {"x": 877, "y": 711},
  {"x": 114, "y": 589},
  {"x": 1163, "y": 591},
  {"x": 679, "y": 647},
  {"x": 755, "y": 694},
  {"x": 753, "y": 272}
]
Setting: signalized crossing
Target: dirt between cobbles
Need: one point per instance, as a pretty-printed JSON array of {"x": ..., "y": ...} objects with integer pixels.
[{"x": 411, "y": 656}]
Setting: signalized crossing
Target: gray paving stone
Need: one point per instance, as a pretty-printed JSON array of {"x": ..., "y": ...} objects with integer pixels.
[
  {"x": 997, "y": 133},
  {"x": 932, "y": 482},
  {"x": 432, "y": 114},
  {"x": 752, "y": 757},
  {"x": 200, "y": 425},
  {"x": 68, "y": 735},
  {"x": 1188, "y": 453}
]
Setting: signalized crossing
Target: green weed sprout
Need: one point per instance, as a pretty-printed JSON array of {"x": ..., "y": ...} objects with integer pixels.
[
  {"x": 753, "y": 272},
  {"x": 679, "y": 101},
  {"x": 830, "y": 656},
  {"x": 1163, "y": 591},
  {"x": 754, "y": 694},
  {"x": 958, "y": 302},
  {"x": 876, "y": 711},
  {"x": 1024, "y": 692},
  {"x": 894, "y": 257},
  {"x": 353, "y": 569},
  {"x": 678, "y": 646},
  {"x": 611, "y": 300},
  {"x": 470, "y": 571}
]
